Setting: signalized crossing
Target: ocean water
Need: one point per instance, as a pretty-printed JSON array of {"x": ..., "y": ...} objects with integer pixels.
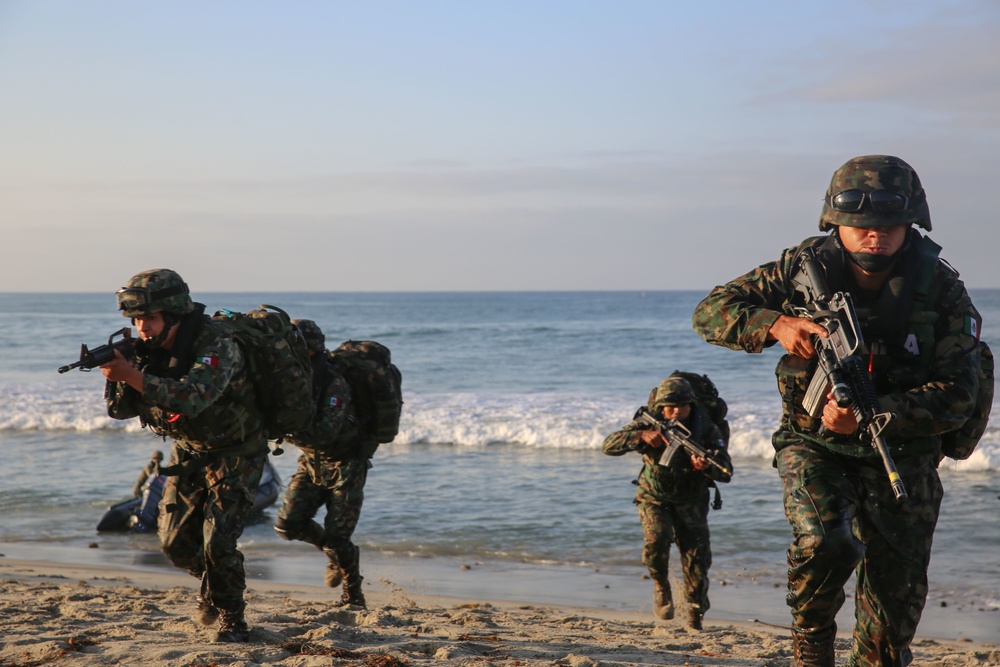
[{"x": 508, "y": 397}]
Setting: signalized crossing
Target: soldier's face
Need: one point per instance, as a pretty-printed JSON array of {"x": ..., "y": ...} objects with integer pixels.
[
  {"x": 150, "y": 326},
  {"x": 875, "y": 240},
  {"x": 679, "y": 412}
]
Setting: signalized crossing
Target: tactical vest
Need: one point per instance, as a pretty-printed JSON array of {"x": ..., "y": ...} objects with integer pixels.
[
  {"x": 228, "y": 426},
  {"x": 898, "y": 328}
]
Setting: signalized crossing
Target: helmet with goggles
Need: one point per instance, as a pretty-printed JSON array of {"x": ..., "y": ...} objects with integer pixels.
[
  {"x": 875, "y": 191},
  {"x": 672, "y": 392},
  {"x": 155, "y": 291}
]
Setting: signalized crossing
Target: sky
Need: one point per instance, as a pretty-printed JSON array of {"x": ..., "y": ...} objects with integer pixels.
[{"x": 463, "y": 145}]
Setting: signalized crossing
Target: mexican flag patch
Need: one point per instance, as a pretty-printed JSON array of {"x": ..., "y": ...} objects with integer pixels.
[
  {"x": 208, "y": 361},
  {"x": 972, "y": 326}
]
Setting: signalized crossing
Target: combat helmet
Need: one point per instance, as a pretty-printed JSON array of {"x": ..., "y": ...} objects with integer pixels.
[
  {"x": 875, "y": 191},
  {"x": 155, "y": 291},
  {"x": 313, "y": 335},
  {"x": 674, "y": 392}
]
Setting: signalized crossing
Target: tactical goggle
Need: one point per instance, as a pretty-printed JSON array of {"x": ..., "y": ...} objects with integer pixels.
[
  {"x": 137, "y": 298},
  {"x": 880, "y": 201}
]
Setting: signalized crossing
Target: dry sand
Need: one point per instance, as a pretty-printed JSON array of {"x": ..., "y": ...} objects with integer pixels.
[{"x": 64, "y": 614}]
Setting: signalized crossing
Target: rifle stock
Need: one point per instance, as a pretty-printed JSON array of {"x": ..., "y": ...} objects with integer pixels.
[
  {"x": 90, "y": 359},
  {"x": 841, "y": 370}
]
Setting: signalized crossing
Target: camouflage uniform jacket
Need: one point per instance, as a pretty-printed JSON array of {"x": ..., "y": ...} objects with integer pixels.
[
  {"x": 920, "y": 334},
  {"x": 679, "y": 482},
  {"x": 333, "y": 434},
  {"x": 209, "y": 406}
]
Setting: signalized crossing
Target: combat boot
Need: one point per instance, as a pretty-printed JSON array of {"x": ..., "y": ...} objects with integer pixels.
[
  {"x": 207, "y": 613},
  {"x": 334, "y": 573},
  {"x": 663, "y": 602},
  {"x": 232, "y": 628},
  {"x": 814, "y": 648},
  {"x": 353, "y": 596},
  {"x": 694, "y": 617},
  {"x": 351, "y": 566}
]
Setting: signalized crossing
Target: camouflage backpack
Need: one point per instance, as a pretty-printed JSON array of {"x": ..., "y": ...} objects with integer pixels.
[
  {"x": 960, "y": 443},
  {"x": 708, "y": 397},
  {"x": 376, "y": 386},
  {"x": 279, "y": 366}
]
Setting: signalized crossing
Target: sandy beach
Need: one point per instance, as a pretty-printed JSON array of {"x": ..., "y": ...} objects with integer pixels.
[{"x": 72, "y": 614}]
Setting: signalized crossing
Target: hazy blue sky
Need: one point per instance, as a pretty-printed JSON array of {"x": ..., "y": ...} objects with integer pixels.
[{"x": 476, "y": 145}]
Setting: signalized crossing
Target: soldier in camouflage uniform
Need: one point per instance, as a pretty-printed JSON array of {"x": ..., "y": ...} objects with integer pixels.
[
  {"x": 673, "y": 498},
  {"x": 188, "y": 382},
  {"x": 333, "y": 468},
  {"x": 148, "y": 470},
  {"x": 920, "y": 330}
]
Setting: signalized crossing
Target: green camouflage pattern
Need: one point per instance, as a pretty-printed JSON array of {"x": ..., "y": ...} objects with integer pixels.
[
  {"x": 202, "y": 516},
  {"x": 337, "y": 485},
  {"x": 707, "y": 396},
  {"x": 159, "y": 279},
  {"x": 313, "y": 335},
  {"x": 376, "y": 386},
  {"x": 927, "y": 399},
  {"x": 673, "y": 503},
  {"x": 845, "y": 519},
  {"x": 278, "y": 365},
  {"x": 212, "y": 406},
  {"x": 876, "y": 172},
  {"x": 332, "y": 472},
  {"x": 686, "y": 525},
  {"x": 212, "y": 415},
  {"x": 674, "y": 392},
  {"x": 677, "y": 483},
  {"x": 334, "y": 429},
  {"x": 838, "y": 499}
]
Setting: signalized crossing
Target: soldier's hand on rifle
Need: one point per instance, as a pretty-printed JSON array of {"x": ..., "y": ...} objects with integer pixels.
[
  {"x": 699, "y": 463},
  {"x": 838, "y": 419},
  {"x": 795, "y": 334},
  {"x": 121, "y": 369},
  {"x": 653, "y": 439}
]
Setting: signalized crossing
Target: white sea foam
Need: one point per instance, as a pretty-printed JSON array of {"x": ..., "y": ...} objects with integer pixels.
[{"x": 550, "y": 421}]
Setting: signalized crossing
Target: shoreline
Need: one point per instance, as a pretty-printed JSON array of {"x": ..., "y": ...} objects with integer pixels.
[{"x": 419, "y": 608}]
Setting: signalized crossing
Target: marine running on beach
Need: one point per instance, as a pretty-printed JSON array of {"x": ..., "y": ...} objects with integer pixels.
[
  {"x": 920, "y": 330},
  {"x": 188, "y": 382},
  {"x": 332, "y": 471},
  {"x": 673, "y": 499}
]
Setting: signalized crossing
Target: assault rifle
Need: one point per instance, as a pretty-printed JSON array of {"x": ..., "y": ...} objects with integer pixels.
[
  {"x": 679, "y": 437},
  {"x": 90, "y": 359},
  {"x": 841, "y": 370}
]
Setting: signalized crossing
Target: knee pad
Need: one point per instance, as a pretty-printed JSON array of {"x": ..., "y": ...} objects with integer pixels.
[
  {"x": 839, "y": 549},
  {"x": 288, "y": 530},
  {"x": 306, "y": 531}
]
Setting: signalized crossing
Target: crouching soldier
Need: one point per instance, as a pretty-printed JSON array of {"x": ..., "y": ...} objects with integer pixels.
[{"x": 187, "y": 381}]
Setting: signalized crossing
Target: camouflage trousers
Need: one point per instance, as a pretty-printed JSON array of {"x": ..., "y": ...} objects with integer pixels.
[
  {"x": 337, "y": 485},
  {"x": 845, "y": 519},
  {"x": 202, "y": 515},
  {"x": 685, "y": 524}
]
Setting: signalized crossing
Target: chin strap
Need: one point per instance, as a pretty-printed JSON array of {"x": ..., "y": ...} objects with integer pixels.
[
  {"x": 869, "y": 262},
  {"x": 169, "y": 320}
]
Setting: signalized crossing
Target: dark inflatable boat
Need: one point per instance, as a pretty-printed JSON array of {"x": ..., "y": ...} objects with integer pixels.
[{"x": 138, "y": 515}]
